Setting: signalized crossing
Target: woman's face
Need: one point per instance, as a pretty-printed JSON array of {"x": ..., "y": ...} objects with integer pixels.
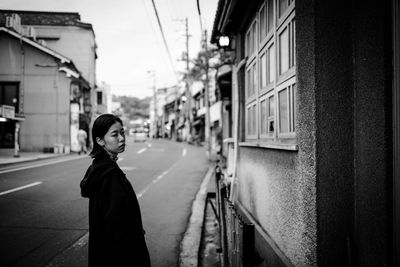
[{"x": 114, "y": 140}]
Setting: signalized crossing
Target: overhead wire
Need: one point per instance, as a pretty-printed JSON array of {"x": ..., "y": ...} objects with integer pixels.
[
  {"x": 153, "y": 30},
  {"x": 198, "y": 9},
  {"x": 164, "y": 39}
]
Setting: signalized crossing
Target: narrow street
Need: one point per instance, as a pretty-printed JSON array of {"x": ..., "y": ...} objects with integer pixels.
[{"x": 44, "y": 219}]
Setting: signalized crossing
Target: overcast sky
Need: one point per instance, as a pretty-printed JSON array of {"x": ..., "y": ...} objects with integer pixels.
[{"x": 129, "y": 39}]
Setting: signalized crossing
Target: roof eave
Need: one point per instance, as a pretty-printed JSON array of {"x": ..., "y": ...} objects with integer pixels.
[{"x": 37, "y": 45}]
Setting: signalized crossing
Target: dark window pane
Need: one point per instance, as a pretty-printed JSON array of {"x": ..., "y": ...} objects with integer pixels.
[
  {"x": 99, "y": 98},
  {"x": 284, "y": 51},
  {"x": 270, "y": 16},
  {"x": 9, "y": 95},
  {"x": 282, "y": 7},
  {"x": 283, "y": 111}
]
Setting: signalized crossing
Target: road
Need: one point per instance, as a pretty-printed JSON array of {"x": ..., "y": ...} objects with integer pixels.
[{"x": 44, "y": 220}]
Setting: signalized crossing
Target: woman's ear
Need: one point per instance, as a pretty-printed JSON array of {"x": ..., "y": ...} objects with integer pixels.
[{"x": 99, "y": 141}]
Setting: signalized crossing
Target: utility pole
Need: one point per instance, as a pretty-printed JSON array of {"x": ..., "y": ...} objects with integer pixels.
[
  {"x": 155, "y": 102},
  {"x": 153, "y": 74},
  {"x": 206, "y": 98},
  {"x": 188, "y": 94}
]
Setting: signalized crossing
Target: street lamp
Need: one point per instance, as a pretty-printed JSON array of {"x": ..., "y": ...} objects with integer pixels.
[{"x": 223, "y": 41}]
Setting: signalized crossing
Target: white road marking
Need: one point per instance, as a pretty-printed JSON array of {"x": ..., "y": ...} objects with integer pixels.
[
  {"x": 184, "y": 152},
  {"x": 159, "y": 177},
  {"x": 127, "y": 168},
  {"x": 142, "y": 150},
  {"x": 20, "y": 188},
  {"x": 39, "y": 165},
  {"x": 149, "y": 144},
  {"x": 82, "y": 241}
]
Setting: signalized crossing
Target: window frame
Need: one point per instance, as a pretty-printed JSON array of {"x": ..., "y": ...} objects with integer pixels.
[
  {"x": 266, "y": 44},
  {"x": 290, "y": 85},
  {"x": 268, "y": 135},
  {"x": 289, "y": 8},
  {"x": 251, "y": 48},
  {"x": 290, "y": 25}
]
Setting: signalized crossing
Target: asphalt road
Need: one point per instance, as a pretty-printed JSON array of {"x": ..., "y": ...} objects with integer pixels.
[{"x": 44, "y": 221}]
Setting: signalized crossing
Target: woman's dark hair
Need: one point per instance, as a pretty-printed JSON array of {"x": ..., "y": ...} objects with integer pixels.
[{"x": 100, "y": 127}]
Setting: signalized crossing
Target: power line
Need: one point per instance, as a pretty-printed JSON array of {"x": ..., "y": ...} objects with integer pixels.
[
  {"x": 163, "y": 36},
  {"x": 154, "y": 32},
  {"x": 198, "y": 9}
]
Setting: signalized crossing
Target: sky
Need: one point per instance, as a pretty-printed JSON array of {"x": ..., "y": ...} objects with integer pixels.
[{"x": 131, "y": 53}]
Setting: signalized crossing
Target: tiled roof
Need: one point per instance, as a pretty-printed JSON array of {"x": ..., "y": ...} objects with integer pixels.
[{"x": 45, "y": 18}]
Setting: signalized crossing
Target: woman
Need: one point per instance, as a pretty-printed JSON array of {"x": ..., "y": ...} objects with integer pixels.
[{"x": 116, "y": 235}]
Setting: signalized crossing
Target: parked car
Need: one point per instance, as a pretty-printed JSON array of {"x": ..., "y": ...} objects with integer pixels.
[{"x": 139, "y": 135}]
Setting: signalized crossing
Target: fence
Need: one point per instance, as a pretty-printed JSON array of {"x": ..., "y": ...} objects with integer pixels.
[{"x": 236, "y": 233}]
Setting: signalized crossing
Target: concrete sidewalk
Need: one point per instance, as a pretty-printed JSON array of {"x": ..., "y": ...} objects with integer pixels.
[{"x": 7, "y": 156}]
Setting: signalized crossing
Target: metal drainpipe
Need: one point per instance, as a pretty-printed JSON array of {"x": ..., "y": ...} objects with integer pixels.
[{"x": 20, "y": 100}]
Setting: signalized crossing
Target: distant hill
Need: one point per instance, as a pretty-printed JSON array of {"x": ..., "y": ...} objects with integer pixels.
[{"x": 134, "y": 107}]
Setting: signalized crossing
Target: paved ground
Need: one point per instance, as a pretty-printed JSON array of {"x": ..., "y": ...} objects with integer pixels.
[{"x": 205, "y": 244}]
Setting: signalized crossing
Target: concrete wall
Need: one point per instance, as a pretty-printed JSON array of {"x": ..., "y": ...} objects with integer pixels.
[
  {"x": 44, "y": 92},
  {"x": 328, "y": 66},
  {"x": 373, "y": 135},
  {"x": 345, "y": 52},
  {"x": 329, "y": 203}
]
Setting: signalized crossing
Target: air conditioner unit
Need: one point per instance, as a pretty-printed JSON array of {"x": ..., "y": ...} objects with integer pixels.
[
  {"x": 16, "y": 18},
  {"x": 9, "y": 22},
  {"x": 42, "y": 42},
  {"x": 14, "y": 22},
  {"x": 31, "y": 33}
]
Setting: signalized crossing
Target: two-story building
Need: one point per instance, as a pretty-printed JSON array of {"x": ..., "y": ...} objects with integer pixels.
[
  {"x": 315, "y": 101},
  {"x": 62, "y": 34},
  {"x": 35, "y": 85}
]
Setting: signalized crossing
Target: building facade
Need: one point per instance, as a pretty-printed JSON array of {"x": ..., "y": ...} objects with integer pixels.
[
  {"x": 313, "y": 84},
  {"x": 36, "y": 83},
  {"x": 65, "y": 33},
  {"x": 45, "y": 34}
]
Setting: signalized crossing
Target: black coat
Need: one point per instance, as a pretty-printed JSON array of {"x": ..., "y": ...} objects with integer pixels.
[{"x": 116, "y": 235}]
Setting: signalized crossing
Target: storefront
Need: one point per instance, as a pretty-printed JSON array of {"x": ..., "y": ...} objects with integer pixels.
[
  {"x": 9, "y": 113},
  {"x": 9, "y": 128}
]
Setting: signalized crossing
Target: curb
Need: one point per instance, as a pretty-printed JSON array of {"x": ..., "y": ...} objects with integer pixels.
[
  {"x": 190, "y": 244},
  {"x": 18, "y": 160},
  {"x": 39, "y": 163}
]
